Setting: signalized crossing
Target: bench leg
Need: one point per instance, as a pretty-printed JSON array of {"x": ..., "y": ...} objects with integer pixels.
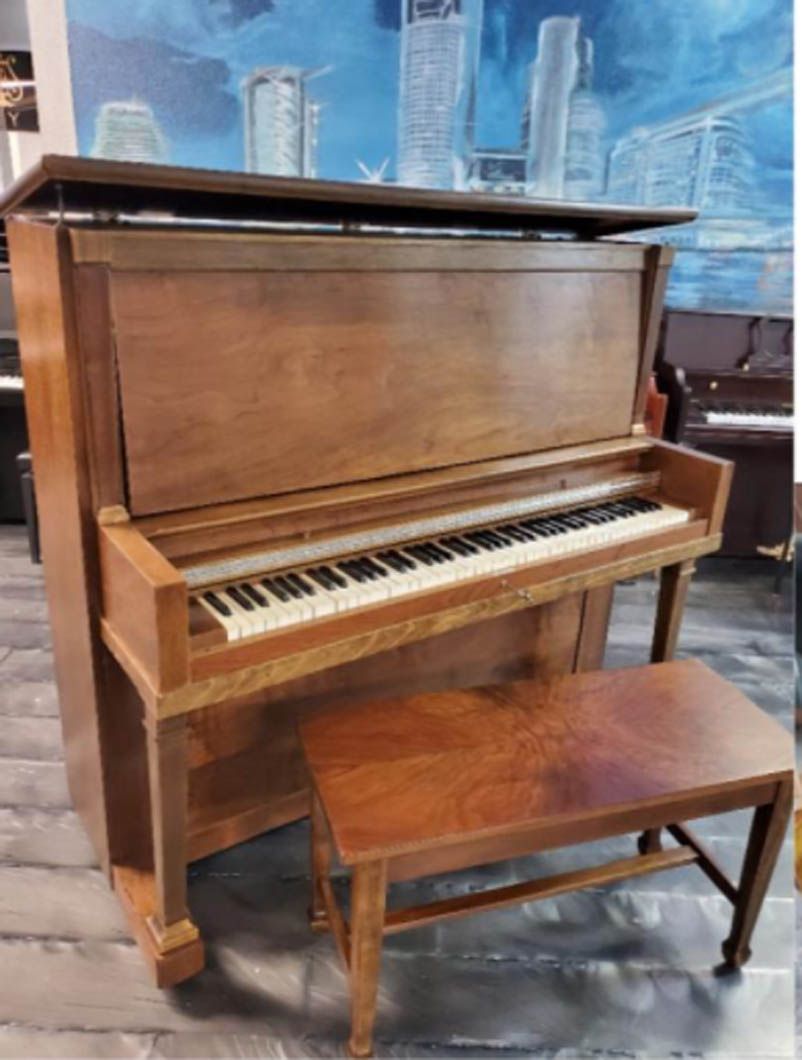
[
  {"x": 766, "y": 836},
  {"x": 321, "y": 865},
  {"x": 368, "y": 893},
  {"x": 649, "y": 842}
]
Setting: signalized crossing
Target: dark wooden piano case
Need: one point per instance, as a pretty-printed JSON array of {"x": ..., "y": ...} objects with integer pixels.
[{"x": 730, "y": 361}]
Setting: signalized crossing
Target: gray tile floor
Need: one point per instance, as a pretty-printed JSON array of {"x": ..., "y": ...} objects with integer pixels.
[{"x": 620, "y": 971}]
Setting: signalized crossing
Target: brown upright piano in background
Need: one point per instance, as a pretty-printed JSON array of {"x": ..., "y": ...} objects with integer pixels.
[
  {"x": 214, "y": 401},
  {"x": 729, "y": 381}
]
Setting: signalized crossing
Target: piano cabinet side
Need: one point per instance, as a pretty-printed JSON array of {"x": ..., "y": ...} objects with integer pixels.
[
  {"x": 43, "y": 283},
  {"x": 701, "y": 482},
  {"x": 693, "y": 479},
  {"x": 671, "y": 382},
  {"x": 145, "y": 610}
]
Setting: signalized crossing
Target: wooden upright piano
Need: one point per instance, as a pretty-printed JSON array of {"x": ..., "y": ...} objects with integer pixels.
[
  {"x": 729, "y": 382},
  {"x": 298, "y": 444}
]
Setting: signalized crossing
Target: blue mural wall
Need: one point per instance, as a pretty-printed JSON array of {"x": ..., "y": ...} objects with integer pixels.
[{"x": 643, "y": 101}]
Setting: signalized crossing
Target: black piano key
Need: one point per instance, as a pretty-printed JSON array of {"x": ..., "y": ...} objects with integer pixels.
[
  {"x": 241, "y": 599},
  {"x": 219, "y": 605},
  {"x": 516, "y": 532},
  {"x": 473, "y": 549},
  {"x": 445, "y": 554},
  {"x": 456, "y": 546},
  {"x": 276, "y": 590},
  {"x": 392, "y": 563},
  {"x": 302, "y": 584},
  {"x": 364, "y": 566},
  {"x": 316, "y": 574},
  {"x": 284, "y": 583},
  {"x": 258, "y": 598},
  {"x": 395, "y": 564},
  {"x": 406, "y": 560},
  {"x": 554, "y": 525},
  {"x": 379, "y": 568},
  {"x": 505, "y": 539},
  {"x": 352, "y": 571},
  {"x": 417, "y": 553},
  {"x": 335, "y": 576},
  {"x": 432, "y": 551}
]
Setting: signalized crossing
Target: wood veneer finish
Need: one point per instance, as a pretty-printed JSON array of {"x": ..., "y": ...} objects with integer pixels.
[
  {"x": 426, "y": 770},
  {"x": 43, "y": 294},
  {"x": 380, "y": 373},
  {"x": 504, "y": 769}
]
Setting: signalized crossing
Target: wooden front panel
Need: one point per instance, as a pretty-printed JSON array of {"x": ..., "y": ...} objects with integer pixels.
[{"x": 256, "y": 383}]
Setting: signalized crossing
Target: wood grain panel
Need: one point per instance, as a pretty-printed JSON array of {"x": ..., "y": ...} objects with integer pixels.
[
  {"x": 42, "y": 294},
  {"x": 149, "y": 250},
  {"x": 333, "y": 377},
  {"x": 424, "y": 771}
]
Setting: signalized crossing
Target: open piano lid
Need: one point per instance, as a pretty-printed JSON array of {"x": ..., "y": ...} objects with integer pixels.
[{"x": 60, "y": 182}]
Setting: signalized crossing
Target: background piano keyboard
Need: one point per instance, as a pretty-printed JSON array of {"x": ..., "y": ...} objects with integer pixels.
[{"x": 740, "y": 415}]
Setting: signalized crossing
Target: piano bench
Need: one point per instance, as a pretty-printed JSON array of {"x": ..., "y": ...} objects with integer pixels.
[{"x": 430, "y": 783}]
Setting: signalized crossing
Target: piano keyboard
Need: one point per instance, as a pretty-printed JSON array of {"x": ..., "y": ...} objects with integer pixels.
[
  {"x": 260, "y": 605},
  {"x": 746, "y": 416}
]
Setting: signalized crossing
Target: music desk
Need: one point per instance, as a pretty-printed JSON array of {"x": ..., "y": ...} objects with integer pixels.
[{"x": 411, "y": 786}]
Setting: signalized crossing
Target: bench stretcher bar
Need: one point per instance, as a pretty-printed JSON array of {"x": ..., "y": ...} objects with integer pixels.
[{"x": 689, "y": 851}]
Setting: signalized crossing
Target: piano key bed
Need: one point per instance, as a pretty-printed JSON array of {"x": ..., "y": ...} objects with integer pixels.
[{"x": 260, "y": 605}]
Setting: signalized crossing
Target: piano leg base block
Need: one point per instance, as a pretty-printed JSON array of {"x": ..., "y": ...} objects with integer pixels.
[
  {"x": 167, "y": 967},
  {"x": 318, "y": 922},
  {"x": 358, "y": 1051}
]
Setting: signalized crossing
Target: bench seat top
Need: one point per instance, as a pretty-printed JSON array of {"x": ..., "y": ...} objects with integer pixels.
[{"x": 425, "y": 771}]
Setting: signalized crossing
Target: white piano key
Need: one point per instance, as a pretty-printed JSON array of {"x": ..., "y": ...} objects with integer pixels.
[
  {"x": 237, "y": 615},
  {"x": 250, "y": 622},
  {"x": 229, "y": 622},
  {"x": 748, "y": 419}
]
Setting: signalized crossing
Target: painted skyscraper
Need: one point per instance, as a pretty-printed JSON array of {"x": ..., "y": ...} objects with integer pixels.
[
  {"x": 439, "y": 66},
  {"x": 552, "y": 80},
  {"x": 584, "y": 150},
  {"x": 701, "y": 160},
  {"x": 281, "y": 122},
  {"x": 127, "y": 131}
]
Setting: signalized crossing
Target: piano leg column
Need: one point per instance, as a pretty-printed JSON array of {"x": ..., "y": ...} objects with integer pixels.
[
  {"x": 169, "y": 925},
  {"x": 674, "y": 582}
]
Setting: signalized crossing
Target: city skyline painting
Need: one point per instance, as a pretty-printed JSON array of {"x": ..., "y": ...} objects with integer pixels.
[{"x": 634, "y": 101}]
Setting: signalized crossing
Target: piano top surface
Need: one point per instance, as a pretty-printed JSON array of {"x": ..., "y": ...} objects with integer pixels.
[{"x": 82, "y": 184}]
